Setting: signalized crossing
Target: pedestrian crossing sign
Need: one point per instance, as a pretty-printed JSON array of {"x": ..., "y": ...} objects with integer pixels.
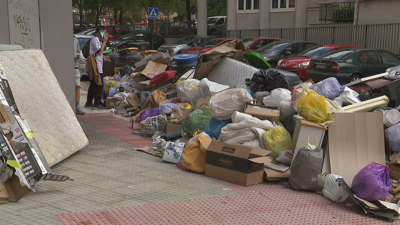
[{"x": 153, "y": 14}]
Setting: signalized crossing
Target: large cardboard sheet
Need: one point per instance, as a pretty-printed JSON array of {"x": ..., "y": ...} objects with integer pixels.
[
  {"x": 355, "y": 140},
  {"x": 43, "y": 104}
]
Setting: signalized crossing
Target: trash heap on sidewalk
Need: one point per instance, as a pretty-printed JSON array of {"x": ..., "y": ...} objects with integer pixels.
[{"x": 255, "y": 126}]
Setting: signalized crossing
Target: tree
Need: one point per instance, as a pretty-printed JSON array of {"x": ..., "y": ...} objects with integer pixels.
[
  {"x": 79, "y": 4},
  {"x": 217, "y": 7}
]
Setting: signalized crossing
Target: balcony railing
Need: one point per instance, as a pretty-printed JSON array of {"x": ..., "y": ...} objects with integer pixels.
[{"x": 337, "y": 12}]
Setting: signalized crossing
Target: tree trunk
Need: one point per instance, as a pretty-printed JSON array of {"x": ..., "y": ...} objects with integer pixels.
[
  {"x": 121, "y": 16},
  {"x": 189, "y": 16},
  {"x": 80, "y": 7},
  {"x": 100, "y": 9},
  {"x": 115, "y": 15}
]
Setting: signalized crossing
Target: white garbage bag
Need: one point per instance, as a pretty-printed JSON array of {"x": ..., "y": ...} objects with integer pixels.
[
  {"x": 277, "y": 96},
  {"x": 188, "y": 90},
  {"x": 207, "y": 87},
  {"x": 332, "y": 189},
  {"x": 223, "y": 104}
]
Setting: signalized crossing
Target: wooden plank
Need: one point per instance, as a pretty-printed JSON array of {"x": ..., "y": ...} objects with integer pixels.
[{"x": 355, "y": 140}]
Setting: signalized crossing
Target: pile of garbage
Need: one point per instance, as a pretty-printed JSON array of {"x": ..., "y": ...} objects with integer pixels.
[{"x": 318, "y": 137}]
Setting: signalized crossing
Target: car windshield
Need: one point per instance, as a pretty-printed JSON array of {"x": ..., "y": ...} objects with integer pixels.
[
  {"x": 248, "y": 42},
  {"x": 184, "y": 40},
  {"x": 315, "y": 52},
  {"x": 339, "y": 55},
  {"x": 212, "y": 20},
  {"x": 211, "y": 43},
  {"x": 274, "y": 46},
  {"x": 82, "y": 42}
]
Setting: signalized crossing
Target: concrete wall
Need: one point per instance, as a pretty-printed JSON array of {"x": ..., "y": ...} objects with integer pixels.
[
  {"x": 282, "y": 20},
  {"x": 248, "y": 21},
  {"x": 231, "y": 14},
  {"x": 386, "y": 12},
  {"x": 4, "y": 35},
  {"x": 57, "y": 40}
]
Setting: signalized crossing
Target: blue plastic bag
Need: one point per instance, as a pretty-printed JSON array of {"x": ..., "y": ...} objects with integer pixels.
[
  {"x": 214, "y": 127},
  {"x": 330, "y": 88},
  {"x": 167, "y": 108}
]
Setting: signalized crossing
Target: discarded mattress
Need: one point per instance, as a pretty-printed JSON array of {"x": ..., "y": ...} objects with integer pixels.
[{"x": 43, "y": 104}]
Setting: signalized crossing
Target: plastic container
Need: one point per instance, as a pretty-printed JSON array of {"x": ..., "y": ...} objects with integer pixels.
[
  {"x": 391, "y": 117},
  {"x": 183, "y": 62}
]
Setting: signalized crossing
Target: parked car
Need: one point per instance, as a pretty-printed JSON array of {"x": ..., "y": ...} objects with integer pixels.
[
  {"x": 208, "y": 45},
  {"x": 351, "y": 65},
  {"x": 299, "y": 64},
  {"x": 91, "y": 31},
  {"x": 125, "y": 58},
  {"x": 216, "y": 24},
  {"x": 82, "y": 39},
  {"x": 253, "y": 43},
  {"x": 137, "y": 39},
  {"x": 278, "y": 50},
  {"x": 114, "y": 34},
  {"x": 184, "y": 43}
]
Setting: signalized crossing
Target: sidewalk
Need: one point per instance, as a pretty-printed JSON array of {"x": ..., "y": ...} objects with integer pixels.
[{"x": 113, "y": 184}]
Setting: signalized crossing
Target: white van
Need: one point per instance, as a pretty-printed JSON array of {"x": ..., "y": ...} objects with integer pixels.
[{"x": 216, "y": 24}]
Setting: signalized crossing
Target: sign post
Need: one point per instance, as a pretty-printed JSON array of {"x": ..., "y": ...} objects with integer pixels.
[{"x": 153, "y": 15}]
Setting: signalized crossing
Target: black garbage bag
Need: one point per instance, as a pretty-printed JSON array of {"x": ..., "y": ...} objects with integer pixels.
[{"x": 267, "y": 81}]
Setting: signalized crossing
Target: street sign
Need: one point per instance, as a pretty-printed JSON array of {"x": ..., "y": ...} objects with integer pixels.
[
  {"x": 153, "y": 13},
  {"x": 193, "y": 9}
]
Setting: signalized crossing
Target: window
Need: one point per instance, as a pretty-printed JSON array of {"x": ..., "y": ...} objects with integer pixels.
[
  {"x": 283, "y": 4},
  {"x": 389, "y": 59},
  {"x": 369, "y": 58},
  {"x": 295, "y": 48},
  {"x": 308, "y": 45},
  {"x": 248, "y": 5}
]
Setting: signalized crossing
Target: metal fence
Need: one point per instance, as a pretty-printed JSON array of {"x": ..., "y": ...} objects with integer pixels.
[
  {"x": 385, "y": 36},
  {"x": 337, "y": 11}
]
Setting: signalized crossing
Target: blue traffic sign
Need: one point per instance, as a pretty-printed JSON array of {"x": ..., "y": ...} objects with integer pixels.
[
  {"x": 153, "y": 14},
  {"x": 193, "y": 9}
]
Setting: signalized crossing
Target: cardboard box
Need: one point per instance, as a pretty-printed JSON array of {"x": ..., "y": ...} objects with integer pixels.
[
  {"x": 235, "y": 163},
  {"x": 305, "y": 131},
  {"x": 142, "y": 64},
  {"x": 171, "y": 127},
  {"x": 263, "y": 112},
  {"x": 153, "y": 68},
  {"x": 110, "y": 102},
  {"x": 272, "y": 175},
  {"x": 12, "y": 190}
]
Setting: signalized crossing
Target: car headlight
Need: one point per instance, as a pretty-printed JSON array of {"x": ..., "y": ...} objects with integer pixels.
[
  {"x": 279, "y": 62},
  {"x": 305, "y": 64}
]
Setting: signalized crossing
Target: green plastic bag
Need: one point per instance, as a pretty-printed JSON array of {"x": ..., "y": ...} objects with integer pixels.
[
  {"x": 277, "y": 140},
  {"x": 197, "y": 120}
]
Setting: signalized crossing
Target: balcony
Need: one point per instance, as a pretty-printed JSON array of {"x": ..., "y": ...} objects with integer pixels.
[{"x": 338, "y": 12}]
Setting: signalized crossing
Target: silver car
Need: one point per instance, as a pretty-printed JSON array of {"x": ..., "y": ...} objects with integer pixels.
[
  {"x": 184, "y": 43},
  {"x": 82, "y": 39}
]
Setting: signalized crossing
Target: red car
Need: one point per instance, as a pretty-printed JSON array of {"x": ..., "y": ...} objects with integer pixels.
[
  {"x": 252, "y": 43},
  {"x": 208, "y": 45},
  {"x": 300, "y": 63},
  {"x": 114, "y": 34}
]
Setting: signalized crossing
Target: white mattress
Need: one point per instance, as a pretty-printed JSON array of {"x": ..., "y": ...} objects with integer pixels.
[{"x": 41, "y": 101}]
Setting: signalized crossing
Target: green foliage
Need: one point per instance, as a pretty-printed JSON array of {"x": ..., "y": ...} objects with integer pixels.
[
  {"x": 343, "y": 14},
  {"x": 217, "y": 7}
]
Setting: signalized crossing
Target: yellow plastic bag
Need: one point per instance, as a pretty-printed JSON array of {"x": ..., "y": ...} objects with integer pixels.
[
  {"x": 277, "y": 140},
  {"x": 185, "y": 105},
  {"x": 194, "y": 155},
  {"x": 313, "y": 107},
  {"x": 109, "y": 84}
]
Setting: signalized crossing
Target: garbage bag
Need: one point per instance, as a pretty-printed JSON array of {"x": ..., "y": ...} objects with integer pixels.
[
  {"x": 268, "y": 81},
  {"x": 331, "y": 188},
  {"x": 286, "y": 110},
  {"x": 259, "y": 96},
  {"x": 188, "y": 90},
  {"x": 313, "y": 107},
  {"x": 167, "y": 108},
  {"x": 196, "y": 120},
  {"x": 392, "y": 137},
  {"x": 149, "y": 113},
  {"x": 112, "y": 91},
  {"x": 285, "y": 157},
  {"x": 224, "y": 104},
  {"x": 207, "y": 87},
  {"x": 194, "y": 154},
  {"x": 306, "y": 167},
  {"x": 109, "y": 84},
  {"x": 277, "y": 140},
  {"x": 372, "y": 182},
  {"x": 153, "y": 124},
  {"x": 185, "y": 105},
  {"x": 330, "y": 88},
  {"x": 214, "y": 127},
  {"x": 297, "y": 92},
  {"x": 277, "y": 96},
  {"x": 349, "y": 96}
]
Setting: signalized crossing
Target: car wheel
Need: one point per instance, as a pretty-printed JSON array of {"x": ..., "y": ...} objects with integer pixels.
[
  {"x": 273, "y": 65},
  {"x": 354, "y": 77}
]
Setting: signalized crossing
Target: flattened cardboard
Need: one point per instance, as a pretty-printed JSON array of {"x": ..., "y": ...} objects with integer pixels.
[
  {"x": 272, "y": 175},
  {"x": 142, "y": 64},
  {"x": 110, "y": 102},
  {"x": 153, "y": 68},
  {"x": 355, "y": 140},
  {"x": 171, "y": 127},
  {"x": 133, "y": 101},
  {"x": 235, "y": 163},
  {"x": 263, "y": 112}
]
